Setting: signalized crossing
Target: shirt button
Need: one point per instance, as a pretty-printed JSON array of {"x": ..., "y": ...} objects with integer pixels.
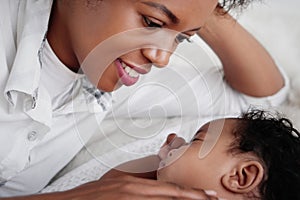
[{"x": 32, "y": 135}]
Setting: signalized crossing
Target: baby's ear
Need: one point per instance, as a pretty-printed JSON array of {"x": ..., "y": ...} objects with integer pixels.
[{"x": 244, "y": 177}]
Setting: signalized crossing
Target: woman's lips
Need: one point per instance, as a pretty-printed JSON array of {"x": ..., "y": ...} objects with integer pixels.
[
  {"x": 140, "y": 70},
  {"x": 128, "y": 76}
]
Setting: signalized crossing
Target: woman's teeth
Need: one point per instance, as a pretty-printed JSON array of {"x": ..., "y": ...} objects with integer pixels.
[{"x": 131, "y": 72}]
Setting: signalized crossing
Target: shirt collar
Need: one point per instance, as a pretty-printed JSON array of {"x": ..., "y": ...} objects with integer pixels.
[
  {"x": 33, "y": 18},
  {"x": 22, "y": 87}
]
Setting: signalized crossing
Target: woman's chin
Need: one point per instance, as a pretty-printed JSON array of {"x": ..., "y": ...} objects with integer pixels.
[{"x": 109, "y": 87}]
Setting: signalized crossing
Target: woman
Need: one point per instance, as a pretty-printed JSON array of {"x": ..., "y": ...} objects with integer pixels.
[{"x": 47, "y": 101}]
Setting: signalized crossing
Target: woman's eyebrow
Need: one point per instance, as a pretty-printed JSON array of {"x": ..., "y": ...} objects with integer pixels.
[{"x": 164, "y": 10}]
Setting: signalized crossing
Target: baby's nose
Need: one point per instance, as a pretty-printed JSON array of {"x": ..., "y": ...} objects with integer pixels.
[
  {"x": 172, "y": 142},
  {"x": 176, "y": 143}
]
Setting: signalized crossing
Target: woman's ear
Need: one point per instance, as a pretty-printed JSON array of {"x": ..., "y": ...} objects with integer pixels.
[{"x": 244, "y": 177}]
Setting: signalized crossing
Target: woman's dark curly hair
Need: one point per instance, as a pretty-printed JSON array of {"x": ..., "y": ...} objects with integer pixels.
[
  {"x": 274, "y": 140},
  {"x": 231, "y": 4}
]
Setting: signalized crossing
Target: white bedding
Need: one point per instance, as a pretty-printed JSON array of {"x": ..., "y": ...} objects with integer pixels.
[{"x": 275, "y": 23}]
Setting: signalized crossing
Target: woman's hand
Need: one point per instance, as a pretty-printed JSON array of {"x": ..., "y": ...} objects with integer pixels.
[
  {"x": 125, "y": 187},
  {"x": 129, "y": 187}
]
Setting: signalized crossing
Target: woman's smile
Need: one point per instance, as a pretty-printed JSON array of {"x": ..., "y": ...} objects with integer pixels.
[
  {"x": 128, "y": 76},
  {"x": 129, "y": 73}
]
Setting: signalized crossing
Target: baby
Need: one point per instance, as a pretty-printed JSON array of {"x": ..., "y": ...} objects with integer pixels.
[{"x": 256, "y": 156}]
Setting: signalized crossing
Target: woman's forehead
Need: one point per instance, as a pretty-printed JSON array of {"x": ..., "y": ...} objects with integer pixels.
[
  {"x": 184, "y": 11},
  {"x": 180, "y": 7}
]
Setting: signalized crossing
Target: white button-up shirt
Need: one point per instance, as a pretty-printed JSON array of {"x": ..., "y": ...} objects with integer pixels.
[{"x": 39, "y": 133}]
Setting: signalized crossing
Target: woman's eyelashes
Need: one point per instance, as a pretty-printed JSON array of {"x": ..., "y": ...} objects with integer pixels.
[
  {"x": 152, "y": 23},
  {"x": 182, "y": 37}
]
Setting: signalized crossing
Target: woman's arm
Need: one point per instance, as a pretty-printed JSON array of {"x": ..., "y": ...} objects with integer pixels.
[
  {"x": 121, "y": 186},
  {"x": 143, "y": 168},
  {"x": 110, "y": 186},
  {"x": 248, "y": 67}
]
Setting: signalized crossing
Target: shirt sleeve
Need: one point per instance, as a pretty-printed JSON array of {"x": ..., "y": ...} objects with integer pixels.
[{"x": 230, "y": 102}]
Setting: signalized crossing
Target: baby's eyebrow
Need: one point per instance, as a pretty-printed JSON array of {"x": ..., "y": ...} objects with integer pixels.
[
  {"x": 202, "y": 129},
  {"x": 197, "y": 133}
]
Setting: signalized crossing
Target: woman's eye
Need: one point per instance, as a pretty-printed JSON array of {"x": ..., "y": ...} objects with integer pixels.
[
  {"x": 151, "y": 23},
  {"x": 181, "y": 37}
]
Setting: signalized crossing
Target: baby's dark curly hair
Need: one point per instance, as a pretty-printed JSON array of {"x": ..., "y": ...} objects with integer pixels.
[{"x": 274, "y": 140}]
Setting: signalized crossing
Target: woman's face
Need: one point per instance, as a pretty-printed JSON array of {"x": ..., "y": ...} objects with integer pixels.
[
  {"x": 109, "y": 41},
  {"x": 183, "y": 165}
]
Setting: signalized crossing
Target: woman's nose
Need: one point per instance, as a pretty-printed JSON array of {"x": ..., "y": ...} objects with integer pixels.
[{"x": 160, "y": 58}]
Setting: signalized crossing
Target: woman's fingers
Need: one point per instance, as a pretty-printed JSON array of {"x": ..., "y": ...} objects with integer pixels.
[
  {"x": 129, "y": 187},
  {"x": 152, "y": 188}
]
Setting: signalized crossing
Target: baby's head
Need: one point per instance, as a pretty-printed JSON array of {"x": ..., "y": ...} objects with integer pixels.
[{"x": 256, "y": 156}]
